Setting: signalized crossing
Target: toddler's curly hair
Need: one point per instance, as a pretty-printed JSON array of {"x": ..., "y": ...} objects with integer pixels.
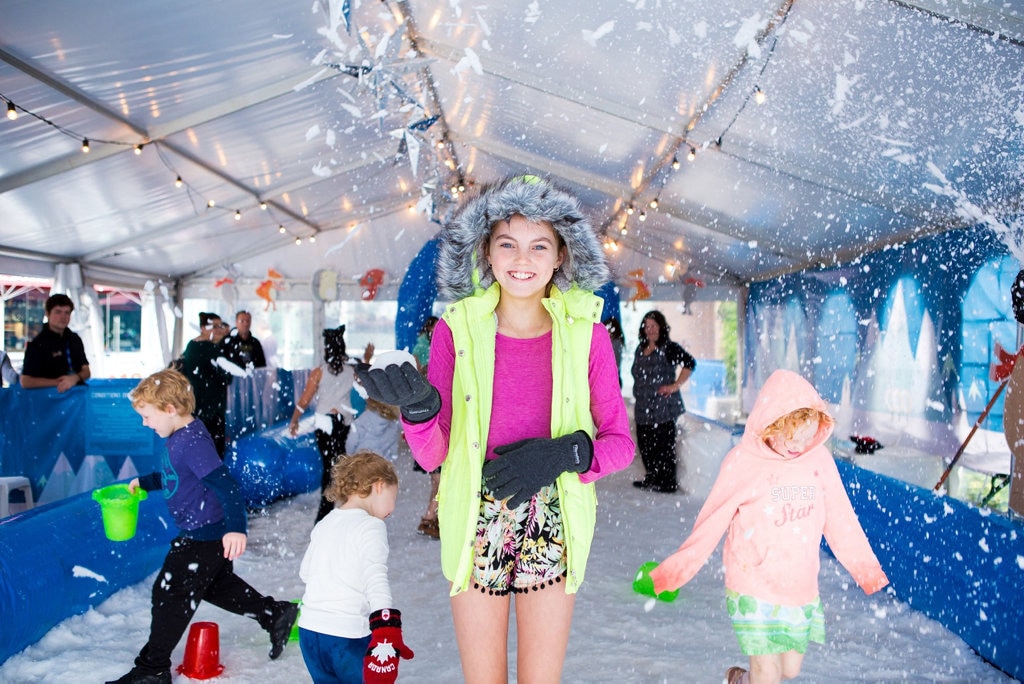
[
  {"x": 355, "y": 475},
  {"x": 162, "y": 388},
  {"x": 787, "y": 424}
]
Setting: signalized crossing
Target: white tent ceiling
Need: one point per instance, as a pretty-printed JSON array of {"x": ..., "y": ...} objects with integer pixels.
[{"x": 884, "y": 121}]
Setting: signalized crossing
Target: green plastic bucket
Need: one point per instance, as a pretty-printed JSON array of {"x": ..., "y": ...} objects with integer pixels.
[
  {"x": 294, "y": 636},
  {"x": 643, "y": 584},
  {"x": 120, "y": 510}
]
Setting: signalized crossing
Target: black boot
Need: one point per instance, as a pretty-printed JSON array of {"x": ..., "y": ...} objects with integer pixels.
[
  {"x": 281, "y": 628},
  {"x": 644, "y": 483},
  {"x": 139, "y": 675}
]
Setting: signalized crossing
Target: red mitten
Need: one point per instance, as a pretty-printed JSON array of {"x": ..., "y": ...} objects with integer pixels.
[{"x": 380, "y": 666}]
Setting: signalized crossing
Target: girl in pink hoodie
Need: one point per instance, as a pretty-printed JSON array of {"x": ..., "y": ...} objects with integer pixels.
[{"x": 777, "y": 493}]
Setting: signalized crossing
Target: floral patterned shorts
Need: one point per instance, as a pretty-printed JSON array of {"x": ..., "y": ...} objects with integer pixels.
[
  {"x": 519, "y": 549},
  {"x": 763, "y": 628}
]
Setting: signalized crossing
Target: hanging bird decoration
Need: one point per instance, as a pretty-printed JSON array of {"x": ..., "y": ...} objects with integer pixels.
[
  {"x": 640, "y": 288},
  {"x": 370, "y": 281},
  {"x": 226, "y": 285},
  {"x": 266, "y": 289}
]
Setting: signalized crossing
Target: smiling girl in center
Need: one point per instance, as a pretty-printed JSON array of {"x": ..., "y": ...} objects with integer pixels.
[{"x": 523, "y": 412}]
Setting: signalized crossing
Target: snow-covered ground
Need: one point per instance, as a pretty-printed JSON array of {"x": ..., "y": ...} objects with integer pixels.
[{"x": 618, "y": 636}]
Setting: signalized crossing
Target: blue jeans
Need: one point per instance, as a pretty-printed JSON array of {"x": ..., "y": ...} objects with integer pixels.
[{"x": 332, "y": 659}]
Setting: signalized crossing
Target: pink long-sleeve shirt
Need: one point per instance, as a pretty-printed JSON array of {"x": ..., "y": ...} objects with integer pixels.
[
  {"x": 776, "y": 510},
  {"x": 521, "y": 405}
]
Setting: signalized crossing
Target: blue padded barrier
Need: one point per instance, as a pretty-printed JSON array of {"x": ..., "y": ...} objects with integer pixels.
[
  {"x": 56, "y": 562},
  {"x": 957, "y": 564},
  {"x": 272, "y": 465}
]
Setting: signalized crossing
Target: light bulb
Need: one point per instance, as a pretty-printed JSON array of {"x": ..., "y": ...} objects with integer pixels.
[
  {"x": 178, "y": 182},
  {"x": 210, "y": 203},
  {"x": 654, "y": 203},
  {"x": 630, "y": 210},
  {"x": 312, "y": 238},
  {"x": 298, "y": 241},
  {"x": 138, "y": 149},
  {"x": 675, "y": 163},
  {"x": 759, "y": 95},
  {"x": 643, "y": 216},
  {"x": 280, "y": 229},
  {"x": 85, "y": 145},
  {"x": 263, "y": 206},
  {"x": 692, "y": 154},
  {"x": 12, "y": 112},
  {"x": 238, "y": 214}
]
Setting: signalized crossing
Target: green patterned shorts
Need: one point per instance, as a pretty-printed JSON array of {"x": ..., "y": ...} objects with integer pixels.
[{"x": 763, "y": 628}]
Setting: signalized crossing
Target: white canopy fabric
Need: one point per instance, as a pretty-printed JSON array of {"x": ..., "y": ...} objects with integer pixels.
[{"x": 351, "y": 121}]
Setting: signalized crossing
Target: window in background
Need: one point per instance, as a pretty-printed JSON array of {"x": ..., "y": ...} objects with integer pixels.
[
  {"x": 365, "y": 322},
  {"x": 21, "y": 304},
  {"x": 122, "y": 319}
]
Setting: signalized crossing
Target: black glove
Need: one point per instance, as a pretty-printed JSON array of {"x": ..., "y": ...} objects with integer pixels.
[
  {"x": 523, "y": 467},
  {"x": 404, "y": 387}
]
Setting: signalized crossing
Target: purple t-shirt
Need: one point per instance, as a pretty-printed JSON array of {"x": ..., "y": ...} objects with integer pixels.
[{"x": 190, "y": 457}]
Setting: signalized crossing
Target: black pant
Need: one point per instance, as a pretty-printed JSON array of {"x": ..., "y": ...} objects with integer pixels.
[
  {"x": 331, "y": 446},
  {"x": 195, "y": 571},
  {"x": 657, "y": 445}
]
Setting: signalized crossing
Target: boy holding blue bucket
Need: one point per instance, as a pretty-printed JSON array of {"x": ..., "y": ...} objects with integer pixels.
[{"x": 207, "y": 507}]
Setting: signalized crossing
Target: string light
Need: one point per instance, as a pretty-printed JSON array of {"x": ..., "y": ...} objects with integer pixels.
[
  {"x": 675, "y": 163},
  {"x": 692, "y": 154},
  {"x": 642, "y": 217},
  {"x": 630, "y": 210},
  {"x": 653, "y": 204},
  {"x": 137, "y": 147},
  {"x": 759, "y": 96},
  {"x": 298, "y": 241}
]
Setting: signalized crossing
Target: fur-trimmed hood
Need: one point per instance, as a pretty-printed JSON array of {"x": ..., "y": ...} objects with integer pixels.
[{"x": 461, "y": 264}]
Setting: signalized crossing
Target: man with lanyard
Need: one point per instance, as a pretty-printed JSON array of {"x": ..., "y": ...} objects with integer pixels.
[{"x": 56, "y": 356}]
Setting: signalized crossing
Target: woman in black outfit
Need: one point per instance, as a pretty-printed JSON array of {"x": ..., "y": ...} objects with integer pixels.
[{"x": 658, "y": 400}]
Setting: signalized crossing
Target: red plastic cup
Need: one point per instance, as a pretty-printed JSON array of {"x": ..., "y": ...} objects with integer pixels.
[{"x": 202, "y": 652}]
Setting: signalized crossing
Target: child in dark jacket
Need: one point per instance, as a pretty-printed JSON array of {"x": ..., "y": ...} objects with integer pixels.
[{"x": 207, "y": 507}]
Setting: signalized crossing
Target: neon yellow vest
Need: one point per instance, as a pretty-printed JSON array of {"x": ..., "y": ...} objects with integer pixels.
[{"x": 474, "y": 327}]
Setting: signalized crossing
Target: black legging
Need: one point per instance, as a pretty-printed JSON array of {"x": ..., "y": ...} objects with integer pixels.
[
  {"x": 196, "y": 571},
  {"x": 331, "y": 446},
  {"x": 657, "y": 444}
]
